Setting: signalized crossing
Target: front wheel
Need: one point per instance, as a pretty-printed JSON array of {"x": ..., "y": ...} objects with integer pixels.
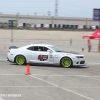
[
  {"x": 20, "y": 60},
  {"x": 66, "y": 62}
]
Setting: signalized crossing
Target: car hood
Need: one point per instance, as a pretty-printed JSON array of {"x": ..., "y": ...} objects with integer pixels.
[{"x": 70, "y": 52}]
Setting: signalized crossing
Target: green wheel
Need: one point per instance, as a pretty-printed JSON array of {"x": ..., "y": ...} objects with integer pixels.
[
  {"x": 66, "y": 62},
  {"x": 20, "y": 60}
]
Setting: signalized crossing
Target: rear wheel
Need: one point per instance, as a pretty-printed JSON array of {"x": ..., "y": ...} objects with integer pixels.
[
  {"x": 20, "y": 60},
  {"x": 66, "y": 62}
]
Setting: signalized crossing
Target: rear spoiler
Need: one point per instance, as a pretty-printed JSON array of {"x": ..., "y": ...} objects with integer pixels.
[{"x": 13, "y": 47}]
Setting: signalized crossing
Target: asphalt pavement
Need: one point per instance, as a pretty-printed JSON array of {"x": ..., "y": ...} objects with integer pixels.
[{"x": 49, "y": 82}]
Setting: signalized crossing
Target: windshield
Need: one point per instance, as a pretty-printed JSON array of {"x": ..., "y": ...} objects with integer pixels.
[{"x": 56, "y": 49}]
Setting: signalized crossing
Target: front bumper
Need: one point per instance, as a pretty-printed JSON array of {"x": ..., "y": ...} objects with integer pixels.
[{"x": 79, "y": 62}]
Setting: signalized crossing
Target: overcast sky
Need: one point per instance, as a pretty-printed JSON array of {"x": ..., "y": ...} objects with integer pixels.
[{"x": 68, "y": 8}]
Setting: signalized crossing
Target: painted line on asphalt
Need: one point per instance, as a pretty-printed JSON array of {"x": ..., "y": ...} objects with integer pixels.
[
  {"x": 3, "y": 59},
  {"x": 43, "y": 87},
  {"x": 25, "y": 86},
  {"x": 64, "y": 75},
  {"x": 85, "y": 87},
  {"x": 93, "y": 63},
  {"x": 48, "y": 75},
  {"x": 62, "y": 87},
  {"x": 12, "y": 74},
  {"x": 90, "y": 77}
]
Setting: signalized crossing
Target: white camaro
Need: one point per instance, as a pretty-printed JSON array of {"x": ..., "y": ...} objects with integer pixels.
[{"x": 46, "y": 54}]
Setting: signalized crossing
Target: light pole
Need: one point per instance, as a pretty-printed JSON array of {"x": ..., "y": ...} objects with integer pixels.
[
  {"x": 56, "y": 7},
  {"x": 17, "y": 15},
  {"x": 12, "y": 34},
  {"x": 13, "y": 23},
  {"x": 49, "y": 13}
]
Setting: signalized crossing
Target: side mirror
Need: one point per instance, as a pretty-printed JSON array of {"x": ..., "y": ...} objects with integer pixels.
[{"x": 49, "y": 51}]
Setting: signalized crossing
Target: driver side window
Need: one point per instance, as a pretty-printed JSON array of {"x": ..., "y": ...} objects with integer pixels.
[{"x": 40, "y": 48}]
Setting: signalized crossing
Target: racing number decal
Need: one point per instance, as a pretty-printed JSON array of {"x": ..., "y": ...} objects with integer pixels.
[
  {"x": 51, "y": 58},
  {"x": 42, "y": 57}
]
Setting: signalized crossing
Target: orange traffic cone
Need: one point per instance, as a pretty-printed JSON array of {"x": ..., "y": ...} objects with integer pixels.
[
  {"x": 27, "y": 69},
  {"x": 4, "y": 47}
]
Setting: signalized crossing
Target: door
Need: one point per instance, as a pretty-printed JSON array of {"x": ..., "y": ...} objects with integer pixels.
[{"x": 40, "y": 54}]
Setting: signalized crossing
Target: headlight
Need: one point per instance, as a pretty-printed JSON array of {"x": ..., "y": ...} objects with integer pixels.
[{"x": 79, "y": 56}]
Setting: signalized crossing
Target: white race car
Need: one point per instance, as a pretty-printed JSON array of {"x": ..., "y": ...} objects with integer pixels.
[{"x": 45, "y": 54}]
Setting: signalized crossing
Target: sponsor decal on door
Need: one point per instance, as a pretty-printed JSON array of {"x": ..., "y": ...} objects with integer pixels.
[{"x": 43, "y": 57}]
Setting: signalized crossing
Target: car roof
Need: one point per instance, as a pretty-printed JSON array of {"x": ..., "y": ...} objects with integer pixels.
[{"x": 46, "y": 45}]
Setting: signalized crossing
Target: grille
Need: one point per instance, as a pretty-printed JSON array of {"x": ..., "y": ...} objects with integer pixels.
[
  {"x": 80, "y": 57},
  {"x": 82, "y": 62}
]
